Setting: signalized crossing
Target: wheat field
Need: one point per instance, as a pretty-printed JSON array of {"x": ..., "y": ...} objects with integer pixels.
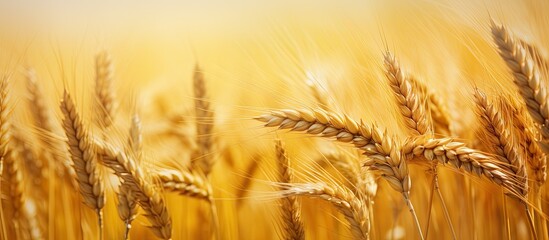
[{"x": 274, "y": 120}]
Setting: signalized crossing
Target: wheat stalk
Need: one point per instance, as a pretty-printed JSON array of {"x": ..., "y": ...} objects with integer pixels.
[{"x": 292, "y": 225}]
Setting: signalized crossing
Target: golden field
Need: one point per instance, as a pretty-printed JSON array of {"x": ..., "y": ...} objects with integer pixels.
[{"x": 274, "y": 120}]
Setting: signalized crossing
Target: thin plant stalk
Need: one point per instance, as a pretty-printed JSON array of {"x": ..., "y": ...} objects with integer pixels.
[
  {"x": 4, "y": 230},
  {"x": 506, "y": 218},
  {"x": 430, "y": 206},
  {"x": 215, "y": 219},
  {"x": 445, "y": 210},
  {"x": 414, "y": 215},
  {"x": 127, "y": 227},
  {"x": 530, "y": 220},
  {"x": 539, "y": 221},
  {"x": 100, "y": 223}
]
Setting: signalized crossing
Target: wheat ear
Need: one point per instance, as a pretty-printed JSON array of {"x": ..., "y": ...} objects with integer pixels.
[
  {"x": 84, "y": 157},
  {"x": 536, "y": 159},
  {"x": 438, "y": 110},
  {"x": 318, "y": 94},
  {"x": 351, "y": 206},
  {"x": 247, "y": 181},
  {"x": 52, "y": 147},
  {"x": 5, "y": 113},
  {"x": 204, "y": 123},
  {"x": 415, "y": 108},
  {"x": 135, "y": 141},
  {"x": 381, "y": 150},
  {"x": 455, "y": 154},
  {"x": 148, "y": 197},
  {"x": 127, "y": 207},
  {"x": 291, "y": 223},
  {"x": 13, "y": 176},
  {"x": 530, "y": 150},
  {"x": 370, "y": 140},
  {"x": 526, "y": 76},
  {"x": 496, "y": 134},
  {"x": 103, "y": 89},
  {"x": 411, "y": 106},
  {"x": 127, "y": 202},
  {"x": 185, "y": 183},
  {"x": 26, "y": 160},
  {"x": 350, "y": 172}
]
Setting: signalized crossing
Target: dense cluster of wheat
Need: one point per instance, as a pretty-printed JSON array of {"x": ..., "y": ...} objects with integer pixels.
[{"x": 66, "y": 167}]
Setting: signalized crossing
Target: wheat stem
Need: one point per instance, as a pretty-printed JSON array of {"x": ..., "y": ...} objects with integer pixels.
[
  {"x": 430, "y": 207},
  {"x": 414, "y": 215},
  {"x": 530, "y": 221},
  {"x": 445, "y": 210}
]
